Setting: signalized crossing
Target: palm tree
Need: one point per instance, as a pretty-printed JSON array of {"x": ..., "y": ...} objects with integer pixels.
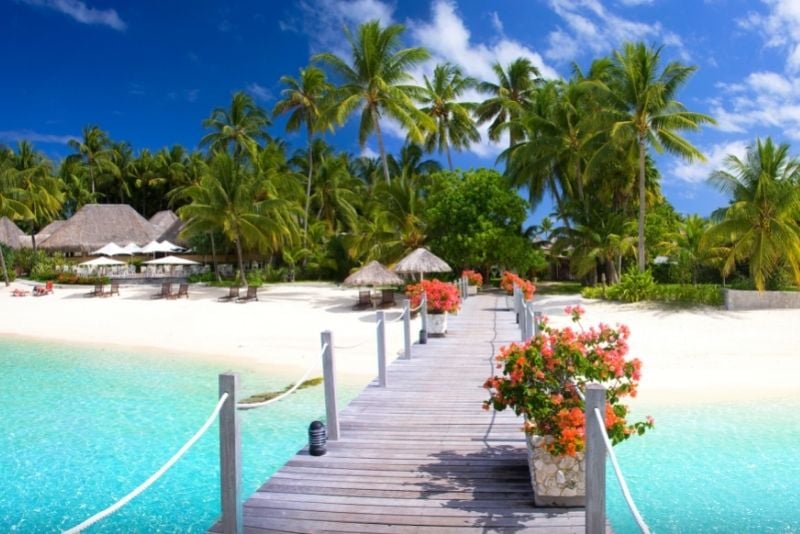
[
  {"x": 237, "y": 128},
  {"x": 454, "y": 125},
  {"x": 761, "y": 223},
  {"x": 39, "y": 190},
  {"x": 410, "y": 165},
  {"x": 303, "y": 98},
  {"x": 93, "y": 151},
  {"x": 513, "y": 92},
  {"x": 10, "y": 193},
  {"x": 376, "y": 82},
  {"x": 645, "y": 97}
]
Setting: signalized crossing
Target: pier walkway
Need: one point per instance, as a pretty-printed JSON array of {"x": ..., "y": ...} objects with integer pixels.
[{"x": 420, "y": 455}]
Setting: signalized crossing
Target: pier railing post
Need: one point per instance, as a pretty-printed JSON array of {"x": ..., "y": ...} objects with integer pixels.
[
  {"x": 537, "y": 322},
  {"x": 423, "y": 312},
  {"x": 595, "y": 460},
  {"x": 230, "y": 456},
  {"x": 518, "y": 303},
  {"x": 527, "y": 330},
  {"x": 381, "y": 321},
  {"x": 406, "y": 329},
  {"x": 329, "y": 379}
]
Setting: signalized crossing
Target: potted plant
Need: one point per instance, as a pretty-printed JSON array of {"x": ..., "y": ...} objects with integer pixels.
[
  {"x": 442, "y": 299},
  {"x": 474, "y": 281},
  {"x": 509, "y": 280},
  {"x": 540, "y": 381}
]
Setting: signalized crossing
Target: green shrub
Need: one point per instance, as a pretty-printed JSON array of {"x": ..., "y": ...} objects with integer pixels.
[
  {"x": 593, "y": 292},
  {"x": 699, "y": 295},
  {"x": 201, "y": 277},
  {"x": 254, "y": 279},
  {"x": 633, "y": 286},
  {"x": 72, "y": 278}
]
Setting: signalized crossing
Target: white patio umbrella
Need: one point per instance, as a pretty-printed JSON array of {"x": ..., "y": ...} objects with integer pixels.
[
  {"x": 171, "y": 260},
  {"x": 132, "y": 248},
  {"x": 164, "y": 246},
  {"x": 111, "y": 249},
  {"x": 101, "y": 262}
]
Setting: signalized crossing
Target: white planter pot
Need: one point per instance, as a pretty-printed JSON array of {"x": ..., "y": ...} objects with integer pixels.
[
  {"x": 437, "y": 324},
  {"x": 472, "y": 290},
  {"x": 556, "y": 480}
]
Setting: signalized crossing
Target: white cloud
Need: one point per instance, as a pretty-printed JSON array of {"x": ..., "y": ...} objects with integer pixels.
[
  {"x": 192, "y": 94},
  {"x": 259, "y": 91},
  {"x": 635, "y": 2},
  {"x": 34, "y": 137},
  {"x": 367, "y": 152},
  {"x": 779, "y": 27},
  {"x": 497, "y": 24},
  {"x": 80, "y": 12},
  {"x": 590, "y": 27},
  {"x": 698, "y": 171}
]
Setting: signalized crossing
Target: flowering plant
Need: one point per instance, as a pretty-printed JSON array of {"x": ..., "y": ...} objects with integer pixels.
[
  {"x": 442, "y": 297},
  {"x": 541, "y": 377},
  {"x": 509, "y": 280},
  {"x": 474, "y": 278}
]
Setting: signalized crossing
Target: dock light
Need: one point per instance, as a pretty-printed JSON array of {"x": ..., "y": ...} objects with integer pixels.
[{"x": 317, "y": 439}]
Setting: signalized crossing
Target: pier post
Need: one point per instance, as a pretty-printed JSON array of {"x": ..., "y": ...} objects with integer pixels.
[
  {"x": 381, "y": 321},
  {"x": 518, "y": 302},
  {"x": 537, "y": 322},
  {"x": 329, "y": 379},
  {"x": 406, "y": 329},
  {"x": 230, "y": 456},
  {"x": 595, "y": 460},
  {"x": 423, "y": 311}
]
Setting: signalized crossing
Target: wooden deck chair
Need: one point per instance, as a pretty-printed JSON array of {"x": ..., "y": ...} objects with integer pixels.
[
  {"x": 96, "y": 292},
  {"x": 364, "y": 300},
  {"x": 387, "y": 298},
  {"x": 114, "y": 289},
  {"x": 183, "y": 291},
  {"x": 165, "y": 293},
  {"x": 233, "y": 294},
  {"x": 252, "y": 294}
]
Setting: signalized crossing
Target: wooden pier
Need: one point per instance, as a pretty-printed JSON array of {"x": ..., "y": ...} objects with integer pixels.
[{"x": 420, "y": 455}]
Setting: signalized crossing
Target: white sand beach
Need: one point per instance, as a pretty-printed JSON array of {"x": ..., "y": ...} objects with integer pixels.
[{"x": 690, "y": 355}]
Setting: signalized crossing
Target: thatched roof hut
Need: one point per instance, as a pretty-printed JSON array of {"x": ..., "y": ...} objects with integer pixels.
[
  {"x": 95, "y": 225},
  {"x": 421, "y": 260},
  {"x": 10, "y": 234},
  {"x": 373, "y": 274},
  {"x": 163, "y": 220},
  {"x": 43, "y": 234}
]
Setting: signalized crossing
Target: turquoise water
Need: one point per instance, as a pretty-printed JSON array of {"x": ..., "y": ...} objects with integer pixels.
[
  {"x": 82, "y": 427},
  {"x": 726, "y": 467}
]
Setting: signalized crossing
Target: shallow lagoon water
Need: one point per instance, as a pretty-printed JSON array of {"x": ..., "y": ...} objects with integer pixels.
[{"x": 81, "y": 427}]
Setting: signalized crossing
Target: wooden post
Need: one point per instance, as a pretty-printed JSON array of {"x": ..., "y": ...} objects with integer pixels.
[
  {"x": 406, "y": 329},
  {"x": 381, "y": 321},
  {"x": 528, "y": 316},
  {"x": 537, "y": 322},
  {"x": 423, "y": 333},
  {"x": 595, "y": 460},
  {"x": 230, "y": 456},
  {"x": 518, "y": 303},
  {"x": 329, "y": 378}
]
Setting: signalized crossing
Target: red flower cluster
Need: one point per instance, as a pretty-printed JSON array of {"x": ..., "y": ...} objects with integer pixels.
[
  {"x": 541, "y": 377},
  {"x": 442, "y": 297},
  {"x": 509, "y": 280},
  {"x": 474, "y": 278}
]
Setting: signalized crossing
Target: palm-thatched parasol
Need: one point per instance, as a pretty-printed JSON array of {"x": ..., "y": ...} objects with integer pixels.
[
  {"x": 421, "y": 261},
  {"x": 373, "y": 274}
]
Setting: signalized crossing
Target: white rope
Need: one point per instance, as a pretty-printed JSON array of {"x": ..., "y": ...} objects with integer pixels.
[
  {"x": 412, "y": 310},
  {"x": 398, "y": 318},
  {"x": 154, "y": 477},
  {"x": 348, "y": 347},
  {"x": 627, "y": 494},
  {"x": 248, "y": 405}
]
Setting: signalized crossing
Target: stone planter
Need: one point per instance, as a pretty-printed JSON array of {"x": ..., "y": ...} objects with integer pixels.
[
  {"x": 437, "y": 324},
  {"x": 472, "y": 290},
  {"x": 556, "y": 480}
]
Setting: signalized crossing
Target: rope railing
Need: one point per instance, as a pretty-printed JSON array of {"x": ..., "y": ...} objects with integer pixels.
[
  {"x": 248, "y": 405},
  {"x": 398, "y": 318},
  {"x": 621, "y": 479},
  {"x": 154, "y": 477},
  {"x": 412, "y": 310}
]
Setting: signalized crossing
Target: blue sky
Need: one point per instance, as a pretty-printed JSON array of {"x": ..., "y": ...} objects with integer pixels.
[{"x": 150, "y": 71}]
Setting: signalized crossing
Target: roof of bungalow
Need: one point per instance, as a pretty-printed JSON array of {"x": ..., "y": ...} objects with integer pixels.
[
  {"x": 163, "y": 220},
  {"x": 95, "y": 225},
  {"x": 10, "y": 233}
]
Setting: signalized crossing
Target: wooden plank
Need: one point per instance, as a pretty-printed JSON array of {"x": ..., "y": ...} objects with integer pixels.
[{"x": 419, "y": 455}]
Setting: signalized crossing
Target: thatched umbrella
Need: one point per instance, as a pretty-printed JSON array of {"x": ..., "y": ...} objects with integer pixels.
[
  {"x": 10, "y": 234},
  {"x": 373, "y": 274},
  {"x": 421, "y": 261}
]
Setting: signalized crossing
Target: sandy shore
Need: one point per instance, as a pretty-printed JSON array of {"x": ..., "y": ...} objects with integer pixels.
[
  {"x": 702, "y": 354},
  {"x": 280, "y": 330}
]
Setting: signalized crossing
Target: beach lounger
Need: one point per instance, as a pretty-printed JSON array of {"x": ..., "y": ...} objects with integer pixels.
[
  {"x": 114, "y": 289},
  {"x": 364, "y": 300},
  {"x": 17, "y": 292},
  {"x": 165, "y": 293},
  {"x": 387, "y": 298},
  {"x": 232, "y": 295},
  {"x": 97, "y": 292},
  {"x": 46, "y": 289},
  {"x": 183, "y": 291},
  {"x": 252, "y": 294}
]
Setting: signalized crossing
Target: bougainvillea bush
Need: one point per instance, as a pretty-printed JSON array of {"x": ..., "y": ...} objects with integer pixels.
[
  {"x": 474, "y": 278},
  {"x": 540, "y": 378},
  {"x": 509, "y": 280},
  {"x": 442, "y": 297}
]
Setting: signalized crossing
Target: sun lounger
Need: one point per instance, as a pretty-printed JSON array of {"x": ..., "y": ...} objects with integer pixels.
[
  {"x": 387, "y": 298},
  {"x": 46, "y": 289},
  {"x": 97, "y": 292},
  {"x": 252, "y": 294},
  {"x": 19, "y": 293},
  {"x": 183, "y": 291},
  {"x": 232, "y": 295},
  {"x": 364, "y": 300},
  {"x": 165, "y": 293},
  {"x": 114, "y": 289}
]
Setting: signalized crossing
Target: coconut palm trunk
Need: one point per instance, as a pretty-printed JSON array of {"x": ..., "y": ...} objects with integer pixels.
[
  {"x": 240, "y": 256},
  {"x": 308, "y": 184},
  {"x": 449, "y": 157},
  {"x": 214, "y": 257},
  {"x": 381, "y": 148},
  {"x": 3, "y": 266},
  {"x": 642, "y": 262}
]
